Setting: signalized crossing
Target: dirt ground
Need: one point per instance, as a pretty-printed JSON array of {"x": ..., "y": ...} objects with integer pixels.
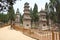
[{"x": 7, "y": 34}]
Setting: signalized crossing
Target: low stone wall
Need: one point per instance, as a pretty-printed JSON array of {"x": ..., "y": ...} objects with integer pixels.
[{"x": 42, "y": 35}]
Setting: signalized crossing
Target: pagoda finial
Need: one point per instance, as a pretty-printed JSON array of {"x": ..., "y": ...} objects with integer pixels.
[
  {"x": 26, "y": 3},
  {"x": 17, "y": 10}
]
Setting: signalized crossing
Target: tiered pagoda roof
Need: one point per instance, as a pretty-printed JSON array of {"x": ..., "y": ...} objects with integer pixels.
[{"x": 26, "y": 11}]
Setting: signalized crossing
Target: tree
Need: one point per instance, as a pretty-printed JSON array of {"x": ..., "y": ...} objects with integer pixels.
[
  {"x": 47, "y": 13},
  {"x": 31, "y": 15},
  {"x": 8, "y": 4},
  {"x": 11, "y": 15},
  {"x": 56, "y": 4},
  {"x": 3, "y": 18},
  {"x": 51, "y": 12},
  {"x": 35, "y": 14},
  {"x": 21, "y": 19},
  {"x": 58, "y": 11}
]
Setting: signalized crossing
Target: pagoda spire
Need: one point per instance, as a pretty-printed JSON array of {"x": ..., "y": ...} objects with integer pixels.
[
  {"x": 17, "y": 12},
  {"x": 26, "y": 16},
  {"x": 17, "y": 19}
]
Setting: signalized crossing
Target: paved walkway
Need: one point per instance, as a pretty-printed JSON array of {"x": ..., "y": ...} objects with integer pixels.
[{"x": 7, "y": 34}]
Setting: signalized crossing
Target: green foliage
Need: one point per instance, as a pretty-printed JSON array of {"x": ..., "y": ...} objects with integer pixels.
[
  {"x": 56, "y": 4},
  {"x": 11, "y": 14},
  {"x": 21, "y": 19},
  {"x": 46, "y": 7},
  {"x": 35, "y": 13},
  {"x": 53, "y": 1},
  {"x": 47, "y": 14},
  {"x": 58, "y": 11},
  {"x": 3, "y": 18},
  {"x": 55, "y": 16},
  {"x": 50, "y": 11},
  {"x": 31, "y": 14}
]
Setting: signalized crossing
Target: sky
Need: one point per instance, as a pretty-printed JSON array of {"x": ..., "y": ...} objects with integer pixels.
[{"x": 20, "y": 4}]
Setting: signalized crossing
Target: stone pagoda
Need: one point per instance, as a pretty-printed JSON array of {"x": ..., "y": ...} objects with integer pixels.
[
  {"x": 17, "y": 19},
  {"x": 26, "y": 16},
  {"x": 42, "y": 20}
]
